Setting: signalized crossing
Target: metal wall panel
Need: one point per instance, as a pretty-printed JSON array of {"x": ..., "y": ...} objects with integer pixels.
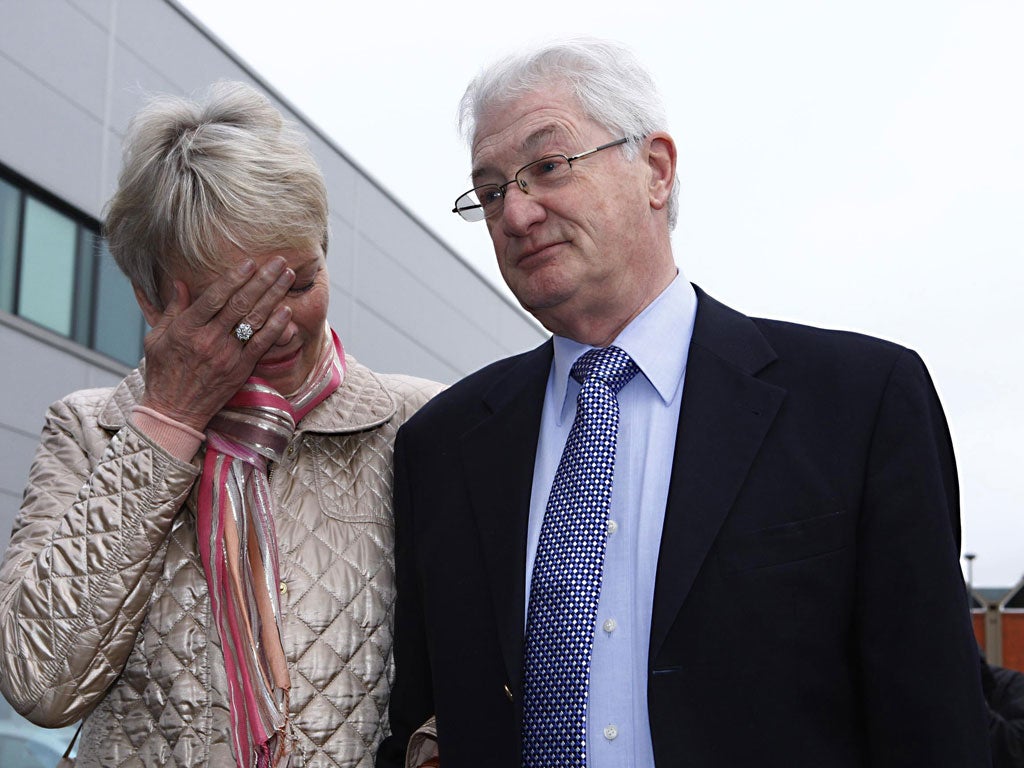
[{"x": 72, "y": 72}]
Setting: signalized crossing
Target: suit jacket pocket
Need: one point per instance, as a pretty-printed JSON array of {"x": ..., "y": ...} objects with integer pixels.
[{"x": 787, "y": 543}]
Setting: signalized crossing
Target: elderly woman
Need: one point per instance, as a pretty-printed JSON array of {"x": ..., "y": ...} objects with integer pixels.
[{"x": 202, "y": 565}]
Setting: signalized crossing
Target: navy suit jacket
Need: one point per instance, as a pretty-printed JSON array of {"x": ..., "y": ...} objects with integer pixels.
[{"x": 809, "y": 608}]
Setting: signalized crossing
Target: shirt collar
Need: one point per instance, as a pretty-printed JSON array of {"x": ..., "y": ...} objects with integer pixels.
[{"x": 669, "y": 315}]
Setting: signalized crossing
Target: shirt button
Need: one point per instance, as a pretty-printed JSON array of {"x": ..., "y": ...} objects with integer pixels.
[
  {"x": 612, "y": 527},
  {"x": 610, "y": 732},
  {"x": 610, "y": 625}
]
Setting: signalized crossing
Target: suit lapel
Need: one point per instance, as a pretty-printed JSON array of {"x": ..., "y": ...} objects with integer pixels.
[
  {"x": 726, "y": 412},
  {"x": 498, "y": 458}
]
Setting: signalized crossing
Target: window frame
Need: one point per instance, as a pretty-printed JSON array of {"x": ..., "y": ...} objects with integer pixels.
[{"x": 88, "y": 250}]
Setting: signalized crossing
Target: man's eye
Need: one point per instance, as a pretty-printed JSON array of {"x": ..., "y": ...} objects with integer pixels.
[{"x": 490, "y": 196}]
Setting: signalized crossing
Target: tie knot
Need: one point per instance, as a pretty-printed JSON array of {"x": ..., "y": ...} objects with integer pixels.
[{"x": 608, "y": 364}]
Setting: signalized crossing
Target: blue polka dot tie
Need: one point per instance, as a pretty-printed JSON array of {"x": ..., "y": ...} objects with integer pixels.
[{"x": 566, "y": 582}]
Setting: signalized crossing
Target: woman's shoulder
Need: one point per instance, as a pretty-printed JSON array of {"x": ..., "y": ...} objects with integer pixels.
[
  {"x": 108, "y": 407},
  {"x": 410, "y": 388},
  {"x": 368, "y": 400},
  {"x": 406, "y": 391}
]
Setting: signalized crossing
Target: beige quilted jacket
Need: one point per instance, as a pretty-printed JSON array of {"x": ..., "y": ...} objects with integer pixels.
[{"x": 104, "y": 610}]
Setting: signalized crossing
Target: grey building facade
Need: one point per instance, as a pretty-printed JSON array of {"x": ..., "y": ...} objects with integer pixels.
[{"x": 72, "y": 73}]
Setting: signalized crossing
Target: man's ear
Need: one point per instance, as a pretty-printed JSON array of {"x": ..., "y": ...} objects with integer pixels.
[
  {"x": 661, "y": 159},
  {"x": 151, "y": 312}
]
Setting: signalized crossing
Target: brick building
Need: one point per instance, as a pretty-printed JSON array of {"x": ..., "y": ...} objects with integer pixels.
[{"x": 998, "y": 616}]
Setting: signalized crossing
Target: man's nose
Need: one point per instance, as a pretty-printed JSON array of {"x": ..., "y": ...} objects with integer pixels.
[{"x": 520, "y": 211}]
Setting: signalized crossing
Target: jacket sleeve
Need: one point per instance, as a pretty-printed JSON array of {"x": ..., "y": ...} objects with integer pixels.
[
  {"x": 411, "y": 701},
  {"x": 1006, "y": 717},
  {"x": 922, "y": 701},
  {"x": 83, "y": 560}
]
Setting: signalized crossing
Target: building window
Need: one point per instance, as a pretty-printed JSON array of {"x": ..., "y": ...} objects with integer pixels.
[
  {"x": 46, "y": 279},
  {"x": 119, "y": 326},
  {"x": 10, "y": 218},
  {"x": 56, "y": 270}
]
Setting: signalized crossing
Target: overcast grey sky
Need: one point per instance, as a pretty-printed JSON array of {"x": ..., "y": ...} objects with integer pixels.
[{"x": 853, "y": 165}]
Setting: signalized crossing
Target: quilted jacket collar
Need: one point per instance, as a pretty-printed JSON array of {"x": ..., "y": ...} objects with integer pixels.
[{"x": 360, "y": 403}]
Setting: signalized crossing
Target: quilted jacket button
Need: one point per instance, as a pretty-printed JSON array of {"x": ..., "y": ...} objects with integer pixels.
[{"x": 284, "y": 588}]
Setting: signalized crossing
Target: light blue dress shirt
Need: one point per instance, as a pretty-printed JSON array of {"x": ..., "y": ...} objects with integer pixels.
[{"x": 658, "y": 340}]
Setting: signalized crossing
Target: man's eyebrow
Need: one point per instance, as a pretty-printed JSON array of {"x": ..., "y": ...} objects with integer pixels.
[
  {"x": 529, "y": 145},
  {"x": 479, "y": 174},
  {"x": 538, "y": 138}
]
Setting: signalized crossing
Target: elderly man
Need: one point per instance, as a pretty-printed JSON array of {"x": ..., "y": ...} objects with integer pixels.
[{"x": 672, "y": 535}]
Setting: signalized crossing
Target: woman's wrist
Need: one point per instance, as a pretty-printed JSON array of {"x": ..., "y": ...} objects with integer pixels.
[{"x": 179, "y": 440}]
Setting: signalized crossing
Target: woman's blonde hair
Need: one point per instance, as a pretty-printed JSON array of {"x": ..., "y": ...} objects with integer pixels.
[{"x": 204, "y": 176}]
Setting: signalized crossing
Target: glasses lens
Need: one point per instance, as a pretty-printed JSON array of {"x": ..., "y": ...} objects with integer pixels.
[
  {"x": 468, "y": 207},
  {"x": 480, "y": 202},
  {"x": 546, "y": 173}
]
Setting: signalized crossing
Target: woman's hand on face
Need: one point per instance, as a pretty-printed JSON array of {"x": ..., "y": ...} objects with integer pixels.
[{"x": 194, "y": 362}]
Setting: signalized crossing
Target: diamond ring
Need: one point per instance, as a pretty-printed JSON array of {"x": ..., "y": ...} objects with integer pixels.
[{"x": 243, "y": 332}]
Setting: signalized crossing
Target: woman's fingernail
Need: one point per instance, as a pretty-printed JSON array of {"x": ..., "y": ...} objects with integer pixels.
[
  {"x": 247, "y": 267},
  {"x": 287, "y": 278}
]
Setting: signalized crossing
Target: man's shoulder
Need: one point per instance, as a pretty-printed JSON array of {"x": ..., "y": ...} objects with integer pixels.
[
  {"x": 467, "y": 398},
  {"x": 786, "y": 336},
  {"x": 787, "y": 351},
  {"x": 841, "y": 368},
  {"x": 846, "y": 362}
]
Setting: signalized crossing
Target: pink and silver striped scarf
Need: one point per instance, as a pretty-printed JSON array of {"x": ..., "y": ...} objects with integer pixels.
[{"x": 238, "y": 546}]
